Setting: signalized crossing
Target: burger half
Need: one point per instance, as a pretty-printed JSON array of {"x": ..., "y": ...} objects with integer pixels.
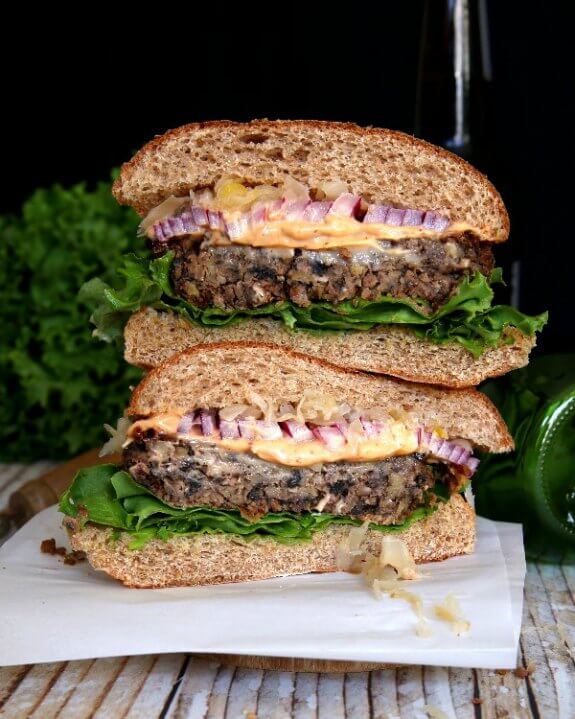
[
  {"x": 245, "y": 461},
  {"x": 365, "y": 247}
]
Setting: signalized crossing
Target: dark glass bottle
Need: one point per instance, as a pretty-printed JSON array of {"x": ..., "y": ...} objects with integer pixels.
[
  {"x": 455, "y": 105},
  {"x": 453, "y": 102},
  {"x": 536, "y": 484}
]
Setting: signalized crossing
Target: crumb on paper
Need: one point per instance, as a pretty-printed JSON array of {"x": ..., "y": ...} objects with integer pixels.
[
  {"x": 450, "y": 611},
  {"x": 48, "y": 546},
  {"x": 434, "y": 712},
  {"x": 524, "y": 672},
  {"x": 502, "y": 672}
]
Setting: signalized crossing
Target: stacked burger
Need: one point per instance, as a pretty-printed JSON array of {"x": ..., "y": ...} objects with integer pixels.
[{"x": 314, "y": 308}]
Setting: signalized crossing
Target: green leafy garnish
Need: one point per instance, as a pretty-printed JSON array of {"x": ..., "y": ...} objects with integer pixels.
[
  {"x": 107, "y": 495},
  {"x": 467, "y": 317},
  {"x": 57, "y": 384}
]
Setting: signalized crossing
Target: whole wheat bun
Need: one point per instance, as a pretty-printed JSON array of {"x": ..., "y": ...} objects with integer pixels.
[
  {"x": 219, "y": 375},
  {"x": 152, "y": 337},
  {"x": 383, "y": 166},
  {"x": 219, "y": 558}
]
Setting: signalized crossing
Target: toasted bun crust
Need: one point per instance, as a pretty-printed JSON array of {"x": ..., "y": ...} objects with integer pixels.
[
  {"x": 152, "y": 337},
  {"x": 219, "y": 375},
  {"x": 383, "y": 166},
  {"x": 215, "y": 559}
]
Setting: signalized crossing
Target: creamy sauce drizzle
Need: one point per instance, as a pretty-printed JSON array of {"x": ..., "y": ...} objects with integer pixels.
[
  {"x": 333, "y": 232},
  {"x": 395, "y": 441}
]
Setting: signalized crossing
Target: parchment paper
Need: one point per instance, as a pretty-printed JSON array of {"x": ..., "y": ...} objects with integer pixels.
[{"x": 53, "y": 612}]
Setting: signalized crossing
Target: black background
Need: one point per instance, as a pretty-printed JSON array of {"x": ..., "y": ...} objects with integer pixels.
[{"x": 78, "y": 101}]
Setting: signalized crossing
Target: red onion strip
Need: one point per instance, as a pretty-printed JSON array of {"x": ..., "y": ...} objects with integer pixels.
[
  {"x": 448, "y": 451},
  {"x": 329, "y": 435},
  {"x": 376, "y": 214},
  {"x": 298, "y": 431},
  {"x": 187, "y": 421},
  {"x": 333, "y": 436},
  {"x": 316, "y": 211},
  {"x": 208, "y": 421},
  {"x": 229, "y": 429},
  {"x": 247, "y": 429},
  {"x": 395, "y": 217},
  {"x": 345, "y": 205}
]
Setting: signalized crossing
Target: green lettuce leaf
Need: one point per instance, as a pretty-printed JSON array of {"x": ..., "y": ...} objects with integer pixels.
[
  {"x": 467, "y": 317},
  {"x": 52, "y": 372},
  {"x": 109, "y": 496}
]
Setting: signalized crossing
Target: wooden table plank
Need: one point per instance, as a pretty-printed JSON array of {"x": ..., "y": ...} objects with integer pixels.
[
  {"x": 357, "y": 695},
  {"x": 17, "y": 475},
  {"x": 462, "y": 688},
  {"x": 10, "y": 678},
  {"x": 436, "y": 689},
  {"x": 30, "y": 692},
  {"x": 220, "y": 692},
  {"x": 330, "y": 699},
  {"x": 556, "y": 652},
  {"x": 561, "y": 602},
  {"x": 243, "y": 694},
  {"x": 276, "y": 695},
  {"x": 410, "y": 697},
  {"x": 89, "y": 694},
  {"x": 192, "y": 700},
  {"x": 11, "y": 474},
  {"x": 503, "y": 696},
  {"x": 54, "y": 701},
  {"x": 383, "y": 690},
  {"x": 125, "y": 688},
  {"x": 305, "y": 696},
  {"x": 540, "y": 684},
  {"x": 154, "y": 693}
]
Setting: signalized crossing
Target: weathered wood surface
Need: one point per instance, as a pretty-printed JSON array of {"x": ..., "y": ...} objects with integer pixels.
[{"x": 175, "y": 686}]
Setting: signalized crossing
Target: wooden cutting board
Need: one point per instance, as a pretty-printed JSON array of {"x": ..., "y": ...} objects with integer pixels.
[
  {"x": 37, "y": 494},
  {"x": 40, "y": 493}
]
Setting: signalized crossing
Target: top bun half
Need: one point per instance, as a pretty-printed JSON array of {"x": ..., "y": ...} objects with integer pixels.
[{"x": 383, "y": 166}]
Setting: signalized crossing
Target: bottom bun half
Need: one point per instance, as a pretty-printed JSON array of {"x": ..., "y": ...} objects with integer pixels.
[{"x": 219, "y": 558}]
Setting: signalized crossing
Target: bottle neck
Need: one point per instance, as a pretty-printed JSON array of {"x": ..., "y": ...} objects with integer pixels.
[{"x": 454, "y": 74}]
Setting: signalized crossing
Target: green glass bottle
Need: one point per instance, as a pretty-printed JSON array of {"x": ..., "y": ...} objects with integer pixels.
[{"x": 536, "y": 484}]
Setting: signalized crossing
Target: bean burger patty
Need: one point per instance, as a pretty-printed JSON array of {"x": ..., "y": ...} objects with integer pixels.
[
  {"x": 186, "y": 473},
  {"x": 243, "y": 277}
]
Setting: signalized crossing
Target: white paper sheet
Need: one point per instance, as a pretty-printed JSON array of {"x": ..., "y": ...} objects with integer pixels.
[{"x": 52, "y": 612}]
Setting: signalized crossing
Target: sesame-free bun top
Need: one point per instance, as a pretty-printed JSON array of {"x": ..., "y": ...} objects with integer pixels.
[
  {"x": 219, "y": 375},
  {"x": 383, "y": 166}
]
